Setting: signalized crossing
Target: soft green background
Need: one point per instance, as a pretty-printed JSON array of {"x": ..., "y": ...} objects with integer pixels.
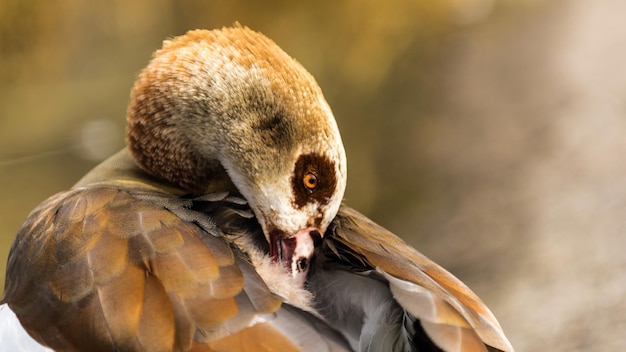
[{"x": 489, "y": 134}]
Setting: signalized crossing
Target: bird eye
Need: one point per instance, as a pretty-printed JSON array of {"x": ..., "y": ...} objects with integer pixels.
[{"x": 310, "y": 181}]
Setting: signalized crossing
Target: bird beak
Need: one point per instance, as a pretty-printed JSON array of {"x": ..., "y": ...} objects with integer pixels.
[{"x": 294, "y": 252}]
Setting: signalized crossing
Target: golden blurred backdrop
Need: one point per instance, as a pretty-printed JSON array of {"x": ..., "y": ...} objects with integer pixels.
[{"x": 489, "y": 134}]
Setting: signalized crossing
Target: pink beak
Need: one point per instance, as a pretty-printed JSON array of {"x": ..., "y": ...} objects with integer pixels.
[{"x": 294, "y": 252}]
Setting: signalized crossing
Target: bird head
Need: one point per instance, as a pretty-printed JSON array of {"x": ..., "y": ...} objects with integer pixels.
[{"x": 232, "y": 101}]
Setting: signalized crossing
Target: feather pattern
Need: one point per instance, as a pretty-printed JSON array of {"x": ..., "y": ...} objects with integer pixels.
[
  {"x": 365, "y": 267},
  {"x": 143, "y": 279},
  {"x": 186, "y": 286}
]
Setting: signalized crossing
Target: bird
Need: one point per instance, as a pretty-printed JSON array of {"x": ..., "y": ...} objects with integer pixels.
[{"x": 221, "y": 227}]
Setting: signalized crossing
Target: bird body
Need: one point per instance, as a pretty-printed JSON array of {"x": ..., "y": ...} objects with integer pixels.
[{"x": 220, "y": 228}]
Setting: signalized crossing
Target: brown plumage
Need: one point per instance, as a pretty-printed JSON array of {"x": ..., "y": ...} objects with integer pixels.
[{"x": 220, "y": 228}]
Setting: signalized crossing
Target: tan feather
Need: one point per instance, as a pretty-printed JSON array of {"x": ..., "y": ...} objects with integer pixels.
[{"x": 259, "y": 337}]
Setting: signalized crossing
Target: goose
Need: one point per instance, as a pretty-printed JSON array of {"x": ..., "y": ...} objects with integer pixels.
[{"x": 220, "y": 227}]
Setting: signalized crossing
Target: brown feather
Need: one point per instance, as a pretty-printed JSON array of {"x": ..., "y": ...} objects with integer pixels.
[
  {"x": 143, "y": 278},
  {"x": 158, "y": 328}
]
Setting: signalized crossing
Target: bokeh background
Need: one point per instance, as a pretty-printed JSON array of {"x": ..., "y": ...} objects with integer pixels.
[{"x": 491, "y": 135}]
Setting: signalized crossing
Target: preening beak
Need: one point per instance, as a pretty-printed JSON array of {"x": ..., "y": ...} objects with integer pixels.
[{"x": 296, "y": 251}]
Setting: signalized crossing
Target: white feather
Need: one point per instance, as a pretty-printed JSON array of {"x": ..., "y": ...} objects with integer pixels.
[{"x": 13, "y": 337}]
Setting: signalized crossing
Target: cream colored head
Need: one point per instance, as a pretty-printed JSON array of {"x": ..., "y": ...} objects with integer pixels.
[{"x": 232, "y": 98}]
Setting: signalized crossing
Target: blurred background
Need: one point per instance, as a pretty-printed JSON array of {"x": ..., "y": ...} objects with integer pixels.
[{"x": 491, "y": 135}]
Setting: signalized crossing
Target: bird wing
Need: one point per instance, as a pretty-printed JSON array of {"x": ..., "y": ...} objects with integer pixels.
[
  {"x": 450, "y": 314},
  {"x": 106, "y": 268}
]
